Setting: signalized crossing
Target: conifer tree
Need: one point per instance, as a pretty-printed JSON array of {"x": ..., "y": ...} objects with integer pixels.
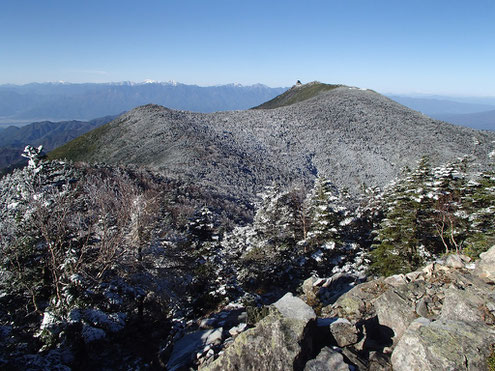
[
  {"x": 202, "y": 227},
  {"x": 449, "y": 217},
  {"x": 326, "y": 213},
  {"x": 397, "y": 250},
  {"x": 405, "y": 235},
  {"x": 479, "y": 204},
  {"x": 281, "y": 219}
]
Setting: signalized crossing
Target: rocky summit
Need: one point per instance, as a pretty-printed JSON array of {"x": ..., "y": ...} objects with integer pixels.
[{"x": 352, "y": 137}]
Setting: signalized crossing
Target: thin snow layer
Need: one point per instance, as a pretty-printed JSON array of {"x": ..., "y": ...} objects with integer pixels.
[{"x": 352, "y": 137}]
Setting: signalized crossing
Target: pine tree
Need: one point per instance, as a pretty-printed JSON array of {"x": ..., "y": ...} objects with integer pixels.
[
  {"x": 326, "y": 213},
  {"x": 281, "y": 217},
  {"x": 450, "y": 220},
  {"x": 397, "y": 250},
  {"x": 405, "y": 236},
  {"x": 279, "y": 224},
  {"x": 479, "y": 205},
  {"x": 202, "y": 227}
]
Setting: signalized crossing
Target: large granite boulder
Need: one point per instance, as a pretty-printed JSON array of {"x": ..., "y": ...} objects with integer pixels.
[
  {"x": 280, "y": 341},
  {"x": 291, "y": 306},
  {"x": 357, "y": 304},
  {"x": 443, "y": 345},
  {"x": 486, "y": 265},
  {"x": 466, "y": 304},
  {"x": 396, "y": 307}
]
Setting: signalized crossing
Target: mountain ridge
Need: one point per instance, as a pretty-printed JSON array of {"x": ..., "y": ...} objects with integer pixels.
[
  {"x": 351, "y": 136},
  {"x": 484, "y": 120},
  {"x": 297, "y": 93},
  {"x": 84, "y": 101},
  {"x": 46, "y": 133}
]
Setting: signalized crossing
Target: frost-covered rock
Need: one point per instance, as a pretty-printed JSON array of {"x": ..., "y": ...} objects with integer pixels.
[
  {"x": 185, "y": 349},
  {"x": 113, "y": 322}
]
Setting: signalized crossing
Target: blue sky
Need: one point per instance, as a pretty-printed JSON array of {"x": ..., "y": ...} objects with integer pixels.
[{"x": 439, "y": 47}]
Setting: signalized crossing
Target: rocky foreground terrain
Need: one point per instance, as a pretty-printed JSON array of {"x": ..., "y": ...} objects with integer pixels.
[{"x": 440, "y": 317}]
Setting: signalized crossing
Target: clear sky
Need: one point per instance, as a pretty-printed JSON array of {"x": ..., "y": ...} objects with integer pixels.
[{"x": 400, "y": 46}]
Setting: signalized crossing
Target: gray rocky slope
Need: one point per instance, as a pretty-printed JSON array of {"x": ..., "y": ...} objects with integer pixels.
[{"x": 349, "y": 135}]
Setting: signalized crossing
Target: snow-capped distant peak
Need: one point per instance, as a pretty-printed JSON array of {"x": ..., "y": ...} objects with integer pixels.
[
  {"x": 232, "y": 85},
  {"x": 148, "y": 81}
]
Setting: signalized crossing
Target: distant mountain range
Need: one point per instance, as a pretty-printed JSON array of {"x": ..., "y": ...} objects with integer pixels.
[
  {"x": 478, "y": 120},
  {"x": 352, "y": 137},
  {"x": 49, "y": 134},
  {"x": 471, "y": 112},
  {"x": 67, "y": 101}
]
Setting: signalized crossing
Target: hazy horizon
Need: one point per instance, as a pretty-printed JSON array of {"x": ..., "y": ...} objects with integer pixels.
[
  {"x": 439, "y": 47},
  {"x": 417, "y": 94}
]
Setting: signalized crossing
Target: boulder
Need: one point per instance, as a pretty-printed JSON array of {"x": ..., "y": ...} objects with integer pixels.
[
  {"x": 454, "y": 261},
  {"x": 396, "y": 280},
  {"x": 327, "y": 359},
  {"x": 486, "y": 265},
  {"x": 396, "y": 307},
  {"x": 357, "y": 303},
  {"x": 344, "y": 332},
  {"x": 215, "y": 337},
  {"x": 308, "y": 289},
  {"x": 309, "y": 283},
  {"x": 295, "y": 308},
  {"x": 236, "y": 330},
  {"x": 336, "y": 286},
  {"x": 280, "y": 341},
  {"x": 443, "y": 345},
  {"x": 463, "y": 305}
]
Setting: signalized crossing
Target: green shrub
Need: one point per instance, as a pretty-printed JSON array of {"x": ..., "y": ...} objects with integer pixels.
[{"x": 490, "y": 362}]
